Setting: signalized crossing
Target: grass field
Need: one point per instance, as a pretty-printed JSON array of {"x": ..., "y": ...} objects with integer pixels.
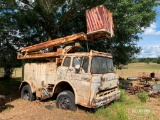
[
  {"x": 17, "y": 72},
  {"x": 133, "y": 69},
  {"x": 127, "y": 108}
]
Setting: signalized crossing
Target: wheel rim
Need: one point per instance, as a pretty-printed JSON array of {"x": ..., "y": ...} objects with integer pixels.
[
  {"x": 26, "y": 95},
  {"x": 64, "y": 103}
]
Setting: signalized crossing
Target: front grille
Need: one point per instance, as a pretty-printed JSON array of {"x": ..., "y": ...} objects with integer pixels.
[{"x": 105, "y": 92}]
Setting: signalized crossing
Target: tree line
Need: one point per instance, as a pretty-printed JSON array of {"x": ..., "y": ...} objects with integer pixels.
[
  {"x": 27, "y": 22},
  {"x": 146, "y": 60}
]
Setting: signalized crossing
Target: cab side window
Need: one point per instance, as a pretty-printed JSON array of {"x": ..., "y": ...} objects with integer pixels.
[
  {"x": 85, "y": 64},
  {"x": 67, "y": 62},
  {"x": 74, "y": 60}
]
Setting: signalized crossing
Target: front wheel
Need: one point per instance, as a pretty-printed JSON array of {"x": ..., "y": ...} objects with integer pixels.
[
  {"x": 66, "y": 100},
  {"x": 26, "y": 93}
]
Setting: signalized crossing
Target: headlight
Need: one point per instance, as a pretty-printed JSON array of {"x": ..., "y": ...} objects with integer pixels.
[{"x": 100, "y": 86}]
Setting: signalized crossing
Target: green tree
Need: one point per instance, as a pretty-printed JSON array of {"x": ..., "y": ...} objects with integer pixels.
[
  {"x": 154, "y": 60},
  {"x": 50, "y": 19},
  {"x": 158, "y": 60},
  {"x": 129, "y": 17},
  {"x": 40, "y": 20},
  {"x": 134, "y": 60},
  {"x": 61, "y": 18},
  {"x": 147, "y": 61},
  {"x": 8, "y": 50}
]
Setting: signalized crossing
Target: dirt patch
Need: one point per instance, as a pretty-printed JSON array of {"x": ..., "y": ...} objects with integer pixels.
[
  {"x": 36, "y": 110},
  {"x": 154, "y": 104},
  {"x": 25, "y": 110}
]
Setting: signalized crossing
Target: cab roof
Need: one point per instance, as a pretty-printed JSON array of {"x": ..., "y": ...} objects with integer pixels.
[{"x": 91, "y": 53}]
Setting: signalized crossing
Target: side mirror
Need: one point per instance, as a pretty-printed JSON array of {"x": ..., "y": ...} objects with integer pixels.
[
  {"x": 77, "y": 66},
  {"x": 77, "y": 63}
]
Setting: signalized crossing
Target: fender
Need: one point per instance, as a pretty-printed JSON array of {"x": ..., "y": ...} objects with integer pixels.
[
  {"x": 32, "y": 86},
  {"x": 75, "y": 92}
]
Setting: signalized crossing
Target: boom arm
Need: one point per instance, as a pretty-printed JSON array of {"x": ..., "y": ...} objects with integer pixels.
[{"x": 34, "y": 50}]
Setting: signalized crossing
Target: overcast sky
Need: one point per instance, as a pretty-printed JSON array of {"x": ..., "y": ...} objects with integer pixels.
[{"x": 150, "y": 42}]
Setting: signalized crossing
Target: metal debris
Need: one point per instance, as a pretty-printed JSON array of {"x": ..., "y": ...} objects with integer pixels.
[
  {"x": 155, "y": 94},
  {"x": 133, "y": 90},
  {"x": 49, "y": 107},
  {"x": 139, "y": 88}
]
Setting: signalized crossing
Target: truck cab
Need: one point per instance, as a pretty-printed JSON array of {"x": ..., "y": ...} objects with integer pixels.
[{"x": 92, "y": 76}]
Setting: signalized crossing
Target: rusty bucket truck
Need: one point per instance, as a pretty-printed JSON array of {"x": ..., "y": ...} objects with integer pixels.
[{"x": 75, "y": 78}]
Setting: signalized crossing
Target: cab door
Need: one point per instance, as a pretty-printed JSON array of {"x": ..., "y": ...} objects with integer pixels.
[{"x": 81, "y": 79}]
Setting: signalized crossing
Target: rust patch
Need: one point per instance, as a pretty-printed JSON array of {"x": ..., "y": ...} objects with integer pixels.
[
  {"x": 99, "y": 22},
  {"x": 39, "y": 93},
  {"x": 34, "y": 50},
  {"x": 32, "y": 86}
]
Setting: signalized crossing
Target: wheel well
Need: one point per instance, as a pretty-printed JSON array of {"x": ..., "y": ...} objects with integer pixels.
[
  {"x": 62, "y": 87},
  {"x": 23, "y": 84}
]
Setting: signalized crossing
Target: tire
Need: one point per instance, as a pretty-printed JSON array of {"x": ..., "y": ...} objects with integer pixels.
[
  {"x": 26, "y": 93},
  {"x": 66, "y": 101}
]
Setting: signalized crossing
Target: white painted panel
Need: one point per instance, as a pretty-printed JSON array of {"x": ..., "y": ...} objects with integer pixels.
[{"x": 38, "y": 73}]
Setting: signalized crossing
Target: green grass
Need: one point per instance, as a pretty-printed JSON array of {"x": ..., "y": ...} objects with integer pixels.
[
  {"x": 1, "y": 72},
  {"x": 143, "y": 96},
  {"x": 17, "y": 72},
  {"x": 144, "y": 66},
  {"x": 126, "y": 108},
  {"x": 133, "y": 69}
]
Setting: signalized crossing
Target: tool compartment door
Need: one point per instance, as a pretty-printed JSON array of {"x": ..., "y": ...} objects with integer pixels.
[{"x": 40, "y": 74}]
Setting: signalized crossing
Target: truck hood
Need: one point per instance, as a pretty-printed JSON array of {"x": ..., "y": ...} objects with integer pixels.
[{"x": 106, "y": 81}]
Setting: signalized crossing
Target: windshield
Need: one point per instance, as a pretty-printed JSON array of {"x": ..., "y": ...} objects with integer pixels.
[{"x": 101, "y": 65}]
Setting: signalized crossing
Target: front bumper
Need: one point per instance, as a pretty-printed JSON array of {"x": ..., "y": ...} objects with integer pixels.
[{"x": 106, "y": 98}]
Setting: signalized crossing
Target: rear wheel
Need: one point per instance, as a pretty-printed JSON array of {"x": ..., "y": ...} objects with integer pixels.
[
  {"x": 66, "y": 100},
  {"x": 26, "y": 93}
]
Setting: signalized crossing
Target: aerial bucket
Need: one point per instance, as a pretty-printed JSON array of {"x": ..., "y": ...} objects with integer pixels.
[{"x": 99, "y": 23}]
